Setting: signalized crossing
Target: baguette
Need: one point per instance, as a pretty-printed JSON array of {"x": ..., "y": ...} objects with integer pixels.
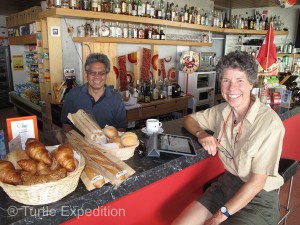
[
  {"x": 105, "y": 162},
  {"x": 95, "y": 177}
]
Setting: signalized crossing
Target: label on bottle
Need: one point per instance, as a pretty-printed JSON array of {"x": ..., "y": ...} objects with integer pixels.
[
  {"x": 162, "y": 37},
  {"x": 139, "y": 11},
  {"x": 169, "y": 90},
  {"x": 118, "y": 32},
  {"x": 125, "y": 32},
  {"x": 134, "y": 12},
  {"x": 117, "y": 10},
  {"x": 94, "y": 4}
]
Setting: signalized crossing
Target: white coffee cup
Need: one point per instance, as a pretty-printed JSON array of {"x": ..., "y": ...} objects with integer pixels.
[{"x": 153, "y": 125}]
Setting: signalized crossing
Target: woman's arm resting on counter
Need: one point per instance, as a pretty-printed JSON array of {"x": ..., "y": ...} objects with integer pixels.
[{"x": 208, "y": 142}]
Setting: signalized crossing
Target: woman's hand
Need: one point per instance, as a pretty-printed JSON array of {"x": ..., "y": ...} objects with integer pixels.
[
  {"x": 216, "y": 219},
  {"x": 208, "y": 142}
]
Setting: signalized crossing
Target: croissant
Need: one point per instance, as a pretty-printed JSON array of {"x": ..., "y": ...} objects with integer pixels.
[
  {"x": 65, "y": 157},
  {"x": 8, "y": 173},
  {"x": 42, "y": 168},
  {"x": 28, "y": 165},
  {"x": 36, "y": 150}
]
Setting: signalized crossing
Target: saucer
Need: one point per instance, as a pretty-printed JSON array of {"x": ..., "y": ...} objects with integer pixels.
[{"x": 144, "y": 130}]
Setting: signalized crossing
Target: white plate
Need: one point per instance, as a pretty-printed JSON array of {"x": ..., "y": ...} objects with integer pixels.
[{"x": 144, "y": 130}]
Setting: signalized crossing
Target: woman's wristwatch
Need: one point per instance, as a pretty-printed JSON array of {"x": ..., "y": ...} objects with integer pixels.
[{"x": 225, "y": 212}]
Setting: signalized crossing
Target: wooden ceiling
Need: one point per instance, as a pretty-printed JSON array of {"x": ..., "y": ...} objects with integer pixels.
[{"x": 8, "y": 7}]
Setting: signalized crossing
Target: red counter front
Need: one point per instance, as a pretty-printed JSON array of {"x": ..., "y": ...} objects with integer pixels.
[{"x": 159, "y": 203}]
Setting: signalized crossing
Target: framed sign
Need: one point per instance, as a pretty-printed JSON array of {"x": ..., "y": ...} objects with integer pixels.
[
  {"x": 286, "y": 98},
  {"x": 25, "y": 126}
]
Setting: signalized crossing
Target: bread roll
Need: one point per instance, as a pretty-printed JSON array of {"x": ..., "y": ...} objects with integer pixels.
[
  {"x": 116, "y": 140},
  {"x": 129, "y": 139},
  {"x": 95, "y": 178},
  {"x": 15, "y": 156},
  {"x": 110, "y": 131}
]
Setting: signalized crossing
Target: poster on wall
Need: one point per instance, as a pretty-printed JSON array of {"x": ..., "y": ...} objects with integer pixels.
[{"x": 18, "y": 62}]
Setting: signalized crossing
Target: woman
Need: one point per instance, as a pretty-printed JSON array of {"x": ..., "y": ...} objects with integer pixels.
[{"x": 248, "y": 138}]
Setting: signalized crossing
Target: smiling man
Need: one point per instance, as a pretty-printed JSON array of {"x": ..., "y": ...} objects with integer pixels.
[{"x": 105, "y": 105}]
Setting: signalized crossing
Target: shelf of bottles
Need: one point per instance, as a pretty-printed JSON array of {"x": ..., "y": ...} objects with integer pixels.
[{"x": 145, "y": 13}]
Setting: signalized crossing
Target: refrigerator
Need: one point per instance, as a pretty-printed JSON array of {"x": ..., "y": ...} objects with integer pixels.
[{"x": 6, "y": 82}]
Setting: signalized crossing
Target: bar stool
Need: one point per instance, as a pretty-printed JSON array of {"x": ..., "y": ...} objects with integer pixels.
[{"x": 287, "y": 169}]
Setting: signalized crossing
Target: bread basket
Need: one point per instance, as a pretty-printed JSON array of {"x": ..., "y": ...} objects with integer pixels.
[
  {"x": 46, "y": 193},
  {"x": 121, "y": 153}
]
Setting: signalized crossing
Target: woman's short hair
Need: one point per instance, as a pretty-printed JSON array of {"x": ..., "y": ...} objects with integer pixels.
[
  {"x": 240, "y": 60},
  {"x": 97, "y": 58}
]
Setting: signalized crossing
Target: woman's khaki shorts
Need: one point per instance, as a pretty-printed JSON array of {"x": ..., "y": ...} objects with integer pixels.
[{"x": 262, "y": 210}]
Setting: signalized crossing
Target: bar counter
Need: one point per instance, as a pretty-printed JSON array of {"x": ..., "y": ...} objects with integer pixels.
[{"x": 151, "y": 182}]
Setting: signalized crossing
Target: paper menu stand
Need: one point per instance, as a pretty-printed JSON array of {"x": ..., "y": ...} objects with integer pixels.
[
  {"x": 15, "y": 144},
  {"x": 25, "y": 126},
  {"x": 151, "y": 146}
]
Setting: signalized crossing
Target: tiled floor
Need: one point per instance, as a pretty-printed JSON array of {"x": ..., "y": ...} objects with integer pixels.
[{"x": 294, "y": 216}]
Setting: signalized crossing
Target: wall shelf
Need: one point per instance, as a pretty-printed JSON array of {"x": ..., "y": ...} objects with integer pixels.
[
  {"x": 71, "y": 13},
  {"x": 288, "y": 54},
  {"x": 22, "y": 40},
  {"x": 138, "y": 41}
]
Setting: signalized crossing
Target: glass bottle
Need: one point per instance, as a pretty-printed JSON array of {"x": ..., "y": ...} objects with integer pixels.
[
  {"x": 73, "y": 4},
  {"x": 119, "y": 30},
  {"x": 152, "y": 10},
  {"x": 105, "y": 6},
  {"x": 134, "y": 8},
  {"x": 112, "y": 30},
  {"x": 111, "y": 6},
  {"x": 99, "y": 6},
  {"x": 173, "y": 12},
  {"x": 125, "y": 30},
  {"x": 155, "y": 91},
  {"x": 86, "y": 5},
  {"x": 162, "y": 35},
  {"x": 141, "y": 32},
  {"x": 147, "y": 8},
  {"x": 143, "y": 8},
  {"x": 158, "y": 12},
  {"x": 185, "y": 14},
  {"x": 139, "y": 8},
  {"x": 147, "y": 94},
  {"x": 94, "y": 5},
  {"x": 123, "y": 7},
  {"x": 117, "y": 7},
  {"x": 163, "y": 11},
  {"x": 134, "y": 32},
  {"x": 129, "y": 7}
]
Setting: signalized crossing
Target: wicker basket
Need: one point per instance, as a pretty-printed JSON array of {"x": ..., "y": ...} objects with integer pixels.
[
  {"x": 46, "y": 193},
  {"x": 121, "y": 153}
]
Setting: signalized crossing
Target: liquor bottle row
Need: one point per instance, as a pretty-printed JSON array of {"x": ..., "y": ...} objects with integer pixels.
[
  {"x": 170, "y": 11},
  {"x": 147, "y": 91},
  {"x": 120, "y": 30}
]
